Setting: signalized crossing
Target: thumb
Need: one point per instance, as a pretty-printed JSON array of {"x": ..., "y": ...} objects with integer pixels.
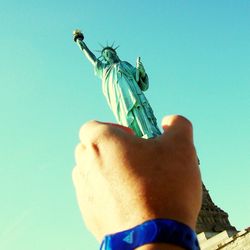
[{"x": 177, "y": 126}]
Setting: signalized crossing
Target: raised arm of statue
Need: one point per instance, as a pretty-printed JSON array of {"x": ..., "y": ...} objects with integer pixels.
[{"x": 78, "y": 38}]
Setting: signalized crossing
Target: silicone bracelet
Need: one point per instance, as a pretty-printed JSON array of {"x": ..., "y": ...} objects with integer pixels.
[{"x": 152, "y": 231}]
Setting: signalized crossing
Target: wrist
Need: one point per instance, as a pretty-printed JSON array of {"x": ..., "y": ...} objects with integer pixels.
[
  {"x": 159, "y": 246},
  {"x": 156, "y": 234}
]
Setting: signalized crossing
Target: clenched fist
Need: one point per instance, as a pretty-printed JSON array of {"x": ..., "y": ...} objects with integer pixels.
[{"x": 122, "y": 180}]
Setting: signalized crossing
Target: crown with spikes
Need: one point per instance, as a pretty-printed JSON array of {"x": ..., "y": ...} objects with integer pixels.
[{"x": 111, "y": 47}]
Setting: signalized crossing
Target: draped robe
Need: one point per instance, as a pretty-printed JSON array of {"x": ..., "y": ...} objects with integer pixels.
[{"x": 125, "y": 97}]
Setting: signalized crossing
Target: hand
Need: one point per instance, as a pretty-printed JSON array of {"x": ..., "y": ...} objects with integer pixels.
[
  {"x": 122, "y": 180},
  {"x": 77, "y": 34},
  {"x": 141, "y": 68}
]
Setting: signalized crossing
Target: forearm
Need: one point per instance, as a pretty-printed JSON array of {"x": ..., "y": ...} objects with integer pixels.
[{"x": 86, "y": 51}]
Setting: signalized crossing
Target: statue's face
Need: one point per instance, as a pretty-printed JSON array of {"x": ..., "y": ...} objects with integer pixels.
[{"x": 110, "y": 56}]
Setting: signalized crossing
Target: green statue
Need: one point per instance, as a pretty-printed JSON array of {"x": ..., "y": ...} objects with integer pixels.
[{"x": 123, "y": 87}]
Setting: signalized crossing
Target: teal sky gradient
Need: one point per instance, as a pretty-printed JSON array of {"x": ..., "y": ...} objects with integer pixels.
[{"x": 197, "y": 56}]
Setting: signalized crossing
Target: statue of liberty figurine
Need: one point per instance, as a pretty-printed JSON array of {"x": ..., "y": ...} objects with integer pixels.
[{"x": 123, "y": 87}]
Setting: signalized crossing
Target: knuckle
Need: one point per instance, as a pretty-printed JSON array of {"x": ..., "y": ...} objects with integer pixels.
[
  {"x": 183, "y": 119},
  {"x": 87, "y": 127},
  {"x": 184, "y": 122},
  {"x": 92, "y": 134}
]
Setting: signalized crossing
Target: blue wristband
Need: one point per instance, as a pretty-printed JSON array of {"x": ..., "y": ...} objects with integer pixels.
[{"x": 152, "y": 231}]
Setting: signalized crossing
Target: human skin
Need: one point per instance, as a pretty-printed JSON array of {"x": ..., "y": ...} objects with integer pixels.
[{"x": 122, "y": 181}]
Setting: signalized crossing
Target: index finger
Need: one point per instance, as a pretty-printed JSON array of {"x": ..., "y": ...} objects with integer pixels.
[{"x": 94, "y": 131}]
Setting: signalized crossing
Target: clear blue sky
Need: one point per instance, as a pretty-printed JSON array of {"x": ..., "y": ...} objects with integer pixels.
[{"x": 197, "y": 55}]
